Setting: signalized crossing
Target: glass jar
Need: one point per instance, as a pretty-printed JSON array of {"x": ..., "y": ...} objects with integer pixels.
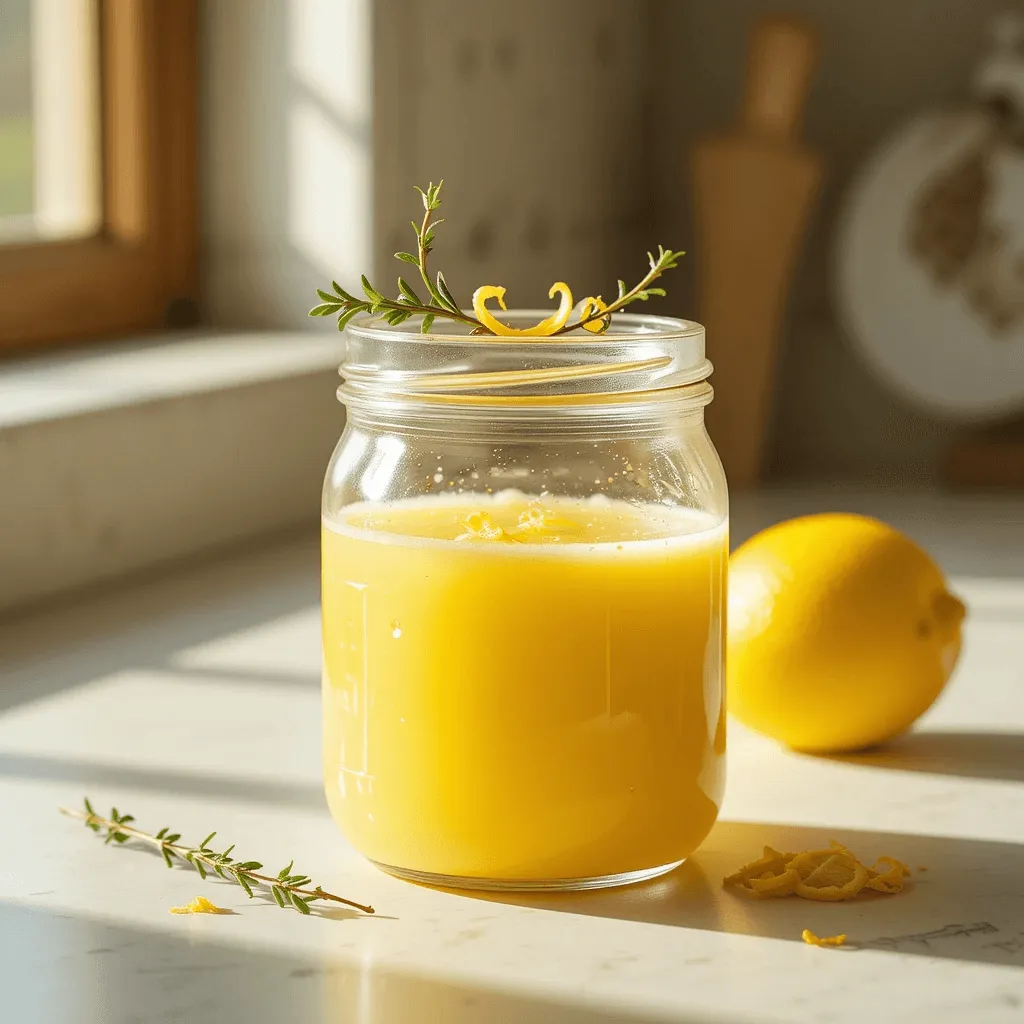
[{"x": 524, "y": 561}]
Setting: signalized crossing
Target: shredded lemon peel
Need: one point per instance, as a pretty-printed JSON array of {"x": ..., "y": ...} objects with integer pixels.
[
  {"x": 480, "y": 528},
  {"x": 546, "y": 327},
  {"x": 200, "y": 905},
  {"x": 826, "y": 876},
  {"x": 822, "y": 940},
  {"x": 887, "y": 875},
  {"x": 539, "y": 520},
  {"x": 534, "y": 521}
]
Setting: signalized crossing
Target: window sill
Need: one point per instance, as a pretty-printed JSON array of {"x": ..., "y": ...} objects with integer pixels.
[{"x": 119, "y": 457}]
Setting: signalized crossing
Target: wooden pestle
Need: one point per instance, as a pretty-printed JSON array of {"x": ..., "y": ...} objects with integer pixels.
[{"x": 753, "y": 190}]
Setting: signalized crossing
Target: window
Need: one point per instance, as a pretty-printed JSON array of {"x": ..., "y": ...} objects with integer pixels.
[{"x": 97, "y": 167}]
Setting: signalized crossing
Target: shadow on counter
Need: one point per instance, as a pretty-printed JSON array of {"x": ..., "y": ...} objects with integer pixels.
[
  {"x": 972, "y": 755},
  {"x": 66, "y": 969},
  {"x": 968, "y": 905}
]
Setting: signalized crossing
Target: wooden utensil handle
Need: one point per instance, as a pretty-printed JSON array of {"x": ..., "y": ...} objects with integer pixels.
[{"x": 783, "y": 56}]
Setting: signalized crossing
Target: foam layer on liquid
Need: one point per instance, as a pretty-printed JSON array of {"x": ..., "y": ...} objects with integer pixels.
[{"x": 518, "y": 521}]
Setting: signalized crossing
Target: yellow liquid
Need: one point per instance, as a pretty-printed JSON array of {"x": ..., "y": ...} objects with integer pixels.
[{"x": 526, "y": 702}]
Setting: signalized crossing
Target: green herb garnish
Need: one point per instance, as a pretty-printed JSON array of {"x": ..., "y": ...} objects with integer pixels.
[
  {"x": 592, "y": 313},
  {"x": 287, "y": 887}
]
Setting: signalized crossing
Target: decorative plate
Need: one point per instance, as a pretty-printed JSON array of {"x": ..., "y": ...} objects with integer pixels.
[{"x": 930, "y": 251}]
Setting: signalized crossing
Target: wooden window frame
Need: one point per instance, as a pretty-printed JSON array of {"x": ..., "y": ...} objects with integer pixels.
[{"x": 140, "y": 270}]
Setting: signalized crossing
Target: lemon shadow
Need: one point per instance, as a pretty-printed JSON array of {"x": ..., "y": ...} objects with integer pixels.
[{"x": 973, "y": 755}]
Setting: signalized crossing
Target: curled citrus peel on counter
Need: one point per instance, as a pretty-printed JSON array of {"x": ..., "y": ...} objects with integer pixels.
[
  {"x": 889, "y": 878},
  {"x": 549, "y": 325},
  {"x": 827, "y": 876}
]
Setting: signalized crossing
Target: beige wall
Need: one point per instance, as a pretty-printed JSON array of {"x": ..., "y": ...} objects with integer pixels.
[
  {"x": 533, "y": 113},
  {"x": 561, "y": 128}
]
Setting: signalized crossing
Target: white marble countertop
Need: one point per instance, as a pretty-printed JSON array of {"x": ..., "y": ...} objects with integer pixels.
[{"x": 193, "y": 701}]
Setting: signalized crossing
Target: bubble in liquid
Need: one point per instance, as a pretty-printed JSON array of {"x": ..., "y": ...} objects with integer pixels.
[
  {"x": 396, "y": 629},
  {"x": 438, "y": 477}
]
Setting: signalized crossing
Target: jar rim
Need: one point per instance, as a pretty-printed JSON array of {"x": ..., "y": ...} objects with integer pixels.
[
  {"x": 644, "y": 325},
  {"x": 639, "y": 354}
]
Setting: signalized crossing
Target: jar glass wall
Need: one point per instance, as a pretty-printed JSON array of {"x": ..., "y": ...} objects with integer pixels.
[{"x": 524, "y": 561}]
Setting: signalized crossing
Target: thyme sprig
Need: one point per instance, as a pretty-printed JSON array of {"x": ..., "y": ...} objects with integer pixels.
[
  {"x": 440, "y": 302},
  {"x": 665, "y": 260},
  {"x": 288, "y": 888},
  {"x": 408, "y": 303}
]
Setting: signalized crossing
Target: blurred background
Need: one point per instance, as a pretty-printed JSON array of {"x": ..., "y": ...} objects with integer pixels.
[
  {"x": 846, "y": 180},
  {"x": 565, "y": 132}
]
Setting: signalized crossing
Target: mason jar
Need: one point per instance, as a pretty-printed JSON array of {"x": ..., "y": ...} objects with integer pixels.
[{"x": 525, "y": 550}]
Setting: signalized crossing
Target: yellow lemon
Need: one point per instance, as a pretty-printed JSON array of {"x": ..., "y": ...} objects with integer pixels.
[{"x": 841, "y": 632}]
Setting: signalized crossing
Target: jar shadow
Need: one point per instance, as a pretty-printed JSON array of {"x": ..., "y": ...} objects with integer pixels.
[{"x": 965, "y": 899}]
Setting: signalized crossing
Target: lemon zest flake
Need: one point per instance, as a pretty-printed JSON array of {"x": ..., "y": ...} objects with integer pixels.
[
  {"x": 822, "y": 940},
  {"x": 200, "y": 905},
  {"x": 827, "y": 876},
  {"x": 480, "y": 528},
  {"x": 543, "y": 521}
]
